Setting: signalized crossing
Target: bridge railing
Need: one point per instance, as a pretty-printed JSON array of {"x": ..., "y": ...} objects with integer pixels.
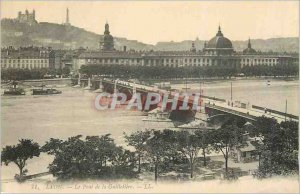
[
  {"x": 276, "y": 112},
  {"x": 247, "y": 115},
  {"x": 213, "y": 98}
]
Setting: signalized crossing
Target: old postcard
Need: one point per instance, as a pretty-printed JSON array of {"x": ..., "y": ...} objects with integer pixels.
[{"x": 149, "y": 96}]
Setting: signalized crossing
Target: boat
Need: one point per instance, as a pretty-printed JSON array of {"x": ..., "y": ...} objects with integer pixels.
[
  {"x": 268, "y": 82},
  {"x": 157, "y": 115},
  {"x": 14, "y": 90},
  {"x": 45, "y": 91}
]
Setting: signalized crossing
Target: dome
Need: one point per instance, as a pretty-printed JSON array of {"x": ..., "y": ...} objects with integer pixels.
[
  {"x": 108, "y": 37},
  {"x": 219, "y": 42},
  {"x": 249, "y": 51}
]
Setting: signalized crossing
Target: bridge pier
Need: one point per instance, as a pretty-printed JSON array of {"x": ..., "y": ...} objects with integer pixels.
[{"x": 100, "y": 86}]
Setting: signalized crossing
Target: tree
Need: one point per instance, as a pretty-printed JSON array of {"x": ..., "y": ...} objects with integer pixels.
[
  {"x": 52, "y": 147},
  {"x": 23, "y": 74},
  {"x": 123, "y": 162},
  {"x": 93, "y": 158},
  {"x": 226, "y": 137},
  {"x": 189, "y": 145},
  {"x": 20, "y": 153},
  {"x": 279, "y": 152},
  {"x": 66, "y": 71},
  {"x": 159, "y": 147},
  {"x": 138, "y": 141},
  {"x": 205, "y": 141},
  {"x": 263, "y": 126}
]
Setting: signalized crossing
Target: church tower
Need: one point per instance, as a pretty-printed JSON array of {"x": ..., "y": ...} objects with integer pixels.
[
  {"x": 107, "y": 42},
  {"x": 249, "y": 49},
  {"x": 249, "y": 43}
]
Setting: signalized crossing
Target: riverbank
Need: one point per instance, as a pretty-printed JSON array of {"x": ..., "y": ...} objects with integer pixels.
[
  {"x": 171, "y": 80},
  {"x": 218, "y": 79}
]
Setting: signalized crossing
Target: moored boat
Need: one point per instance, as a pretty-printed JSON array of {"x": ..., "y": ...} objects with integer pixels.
[
  {"x": 45, "y": 91},
  {"x": 14, "y": 92}
]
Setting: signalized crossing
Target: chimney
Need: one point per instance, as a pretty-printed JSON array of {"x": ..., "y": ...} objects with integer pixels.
[{"x": 124, "y": 48}]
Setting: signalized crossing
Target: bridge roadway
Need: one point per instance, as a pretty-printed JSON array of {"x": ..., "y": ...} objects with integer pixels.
[
  {"x": 247, "y": 113},
  {"x": 146, "y": 88}
]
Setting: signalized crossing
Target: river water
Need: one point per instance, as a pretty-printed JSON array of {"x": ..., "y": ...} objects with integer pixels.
[
  {"x": 256, "y": 92},
  {"x": 72, "y": 113}
]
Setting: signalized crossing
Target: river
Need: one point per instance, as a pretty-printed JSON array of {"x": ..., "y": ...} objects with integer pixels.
[{"x": 72, "y": 113}]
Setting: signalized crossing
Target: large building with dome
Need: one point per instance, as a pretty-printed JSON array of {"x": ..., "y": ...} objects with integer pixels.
[
  {"x": 218, "y": 51},
  {"x": 218, "y": 45}
]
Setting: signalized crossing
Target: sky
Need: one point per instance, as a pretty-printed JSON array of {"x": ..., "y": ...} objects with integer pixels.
[{"x": 158, "y": 21}]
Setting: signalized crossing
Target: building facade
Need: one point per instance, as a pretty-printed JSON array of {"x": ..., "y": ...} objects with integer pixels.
[
  {"x": 218, "y": 52},
  {"x": 25, "y": 58}
]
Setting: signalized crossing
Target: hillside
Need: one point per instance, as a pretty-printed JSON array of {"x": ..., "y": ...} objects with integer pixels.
[
  {"x": 57, "y": 36},
  {"x": 60, "y": 36}
]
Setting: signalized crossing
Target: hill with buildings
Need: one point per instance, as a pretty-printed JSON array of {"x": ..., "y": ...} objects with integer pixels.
[
  {"x": 58, "y": 36},
  {"x": 61, "y": 36}
]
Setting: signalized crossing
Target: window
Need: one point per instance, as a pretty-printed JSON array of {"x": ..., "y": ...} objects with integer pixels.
[{"x": 243, "y": 154}]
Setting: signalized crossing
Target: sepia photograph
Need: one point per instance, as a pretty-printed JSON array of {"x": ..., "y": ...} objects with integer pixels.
[{"x": 101, "y": 96}]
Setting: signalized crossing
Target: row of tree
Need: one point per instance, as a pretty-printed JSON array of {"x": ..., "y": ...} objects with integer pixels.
[
  {"x": 277, "y": 70},
  {"x": 98, "y": 157},
  {"x": 150, "y": 72},
  {"x": 27, "y": 74}
]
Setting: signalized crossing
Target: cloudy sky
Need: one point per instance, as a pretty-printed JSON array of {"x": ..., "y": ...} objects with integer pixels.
[{"x": 154, "y": 21}]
